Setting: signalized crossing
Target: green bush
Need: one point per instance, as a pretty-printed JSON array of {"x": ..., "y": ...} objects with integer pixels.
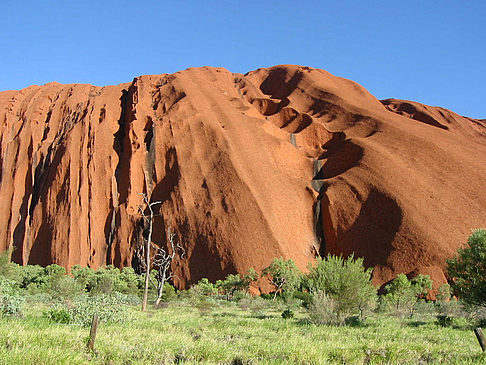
[
  {"x": 325, "y": 310},
  {"x": 12, "y": 305},
  {"x": 65, "y": 287},
  {"x": 34, "y": 278},
  {"x": 105, "y": 284},
  {"x": 168, "y": 293},
  {"x": 401, "y": 295},
  {"x": 204, "y": 287},
  {"x": 106, "y": 280},
  {"x": 287, "y": 314},
  {"x": 283, "y": 275},
  {"x": 230, "y": 285},
  {"x": 109, "y": 308},
  {"x": 304, "y": 297},
  {"x": 57, "y": 314},
  {"x": 258, "y": 306},
  {"x": 468, "y": 270},
  {"x": 346, "y": 282},
  {"x": 205, "y": 306}
]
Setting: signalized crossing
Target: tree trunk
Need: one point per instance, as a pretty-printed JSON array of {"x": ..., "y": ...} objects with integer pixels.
[
  {"x": 160, "y": 289},
  {"x": 147, "y": 262}
]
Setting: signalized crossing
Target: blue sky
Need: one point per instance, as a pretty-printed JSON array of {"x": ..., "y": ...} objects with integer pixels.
[{"x": 433, "y": 52}]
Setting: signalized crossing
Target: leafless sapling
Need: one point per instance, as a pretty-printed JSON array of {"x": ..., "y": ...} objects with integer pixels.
[
  {"x": 156, "y": 257},
  {"x": 145, "y": 257}
]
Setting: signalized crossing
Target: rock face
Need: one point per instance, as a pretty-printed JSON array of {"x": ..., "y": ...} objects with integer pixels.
[{"x": 286, "y": 161}]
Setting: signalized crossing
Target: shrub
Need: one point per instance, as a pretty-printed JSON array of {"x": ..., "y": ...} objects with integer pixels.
[
  {"x": 107, "y": 280},
  {"x": 33, "y": 277},
  {"x": 65, "y": 287},
  {"x": 258, "y": 306},
  {"x": 401, "y": 295},
  {"x": 57, "y": 314},
  {"x": 84, "y": 277},
  {"x": 12, "y": 305},
  {"x": 286, "y": 314},
  {"x": 168, "y": 292},
  {"x": 346, "y": 282},
  {"x": 6, "y": 267},
  {"x": 104, "y": 284},
  {"x": 304, "y": 297},
  {"x": 283, "y": 275},
  {"x": 204, "y": 287},
  {"x": 325, "y": 310},
  {"x": 108, "y": 308},
  {"x": 422, "y": 285},
  {"x": 468, "y": 270},
  {"x": 444, "y": 293},
  {"x": 130, "y": 281},
  {"x": 423, "y": 308},
  {"x": 204, "y": 306},
  {"x": 232, "y": 284}
]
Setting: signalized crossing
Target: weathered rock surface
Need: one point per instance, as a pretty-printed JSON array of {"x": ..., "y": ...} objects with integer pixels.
[{"x": 287, "y": 161}]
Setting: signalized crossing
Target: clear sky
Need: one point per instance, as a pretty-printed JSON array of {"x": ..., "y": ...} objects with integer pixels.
[{"x": 433, "y": 52}]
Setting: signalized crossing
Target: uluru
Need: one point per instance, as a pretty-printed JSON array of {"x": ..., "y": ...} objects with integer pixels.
[{"x": 287, "y": 161}]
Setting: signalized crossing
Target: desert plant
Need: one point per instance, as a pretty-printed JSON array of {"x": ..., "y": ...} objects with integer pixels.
[
  {"x": 109, "y": 308},
  {"x": 325, "y": 310},
  {"x": 346, "y": 282},
  {"x": 12, "y": 305},
  {"x": 205, "y": 306},
  {"x": 444, "y": 293},
  {"x": 283, "y": 275},
  {"x": 401, "y": 295},
  {"x": 422, "y": 285},
  {"x": 204, "y": 287},
  {"x": 231, "y": 285},
  {"x": 287, "y": 314},
  {"x": 65, "y": 287},
  {"x": 468, "y": 270},
  {"x": 57, "y": 314}
]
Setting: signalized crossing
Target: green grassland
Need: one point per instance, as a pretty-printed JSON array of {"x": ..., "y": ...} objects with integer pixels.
[{"x": 229, "y": 333}]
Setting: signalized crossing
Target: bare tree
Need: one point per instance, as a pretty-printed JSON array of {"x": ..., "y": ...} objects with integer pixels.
[
  {"x": 145, "y": 260},
  {"x": 155, "y": 257},
  {"x": 162, "y": 262}
]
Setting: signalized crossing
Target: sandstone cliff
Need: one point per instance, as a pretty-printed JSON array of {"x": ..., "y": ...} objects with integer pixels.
[{"x": 287, "y": 161}]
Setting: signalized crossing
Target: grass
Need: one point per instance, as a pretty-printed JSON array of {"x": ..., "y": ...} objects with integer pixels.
[{"x": 227, "y": 334}]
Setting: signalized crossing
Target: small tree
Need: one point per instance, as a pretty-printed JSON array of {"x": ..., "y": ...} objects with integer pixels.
[
  {"x": 204, "y": 287},
  {"x": 283, "y": 275},
  {"x": 404, "y": 294},
  {"x": 401, "y": 294},
  {"x": 250, "y": 277},
  {"x": 235, "y": 282},
  {"x": 422, "y": 284},
  {"x": 230, "y": 285},
  {"x": 468, "y": 270}
]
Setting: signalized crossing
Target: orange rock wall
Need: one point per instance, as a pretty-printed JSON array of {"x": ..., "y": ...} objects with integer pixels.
[{"x": 287, "y": 161}]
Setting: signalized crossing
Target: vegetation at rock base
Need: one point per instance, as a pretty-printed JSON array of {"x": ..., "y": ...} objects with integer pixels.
[
  {"x": 332, "y": 314},
  {"x": 344, "y": 284},
  {"x": 283, "y": 274},
  {"x": 468, "y": 270}
]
